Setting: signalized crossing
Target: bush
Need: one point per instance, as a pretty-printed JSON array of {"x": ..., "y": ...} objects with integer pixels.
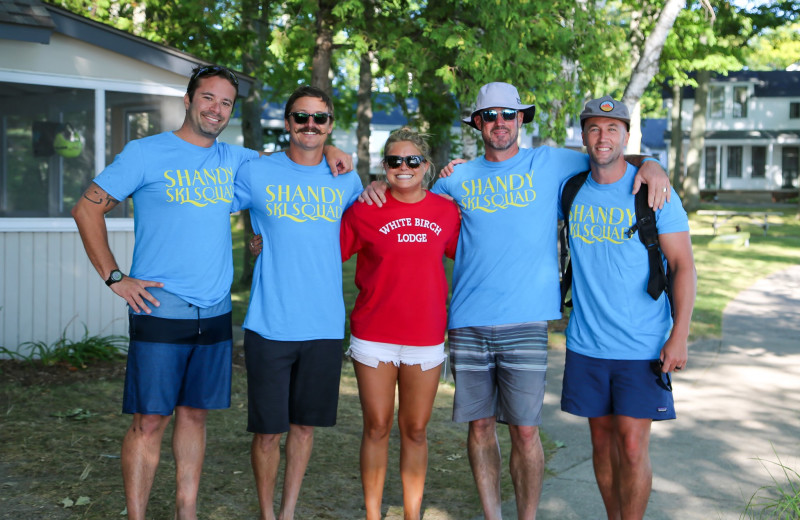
[{"x": 74, "y": 353}]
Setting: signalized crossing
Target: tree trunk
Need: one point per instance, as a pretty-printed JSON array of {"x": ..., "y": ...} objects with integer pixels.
[
  {"x": 694, "y": 156},
  {"x": 647, "y": 65},
  {"x": 256, "y": 20},
  {"x": 676, "y": 139},
  {"x": 323, "y": 47},
  {"x": 364, "y": 116},
  {"x": 469, "y": 139}
]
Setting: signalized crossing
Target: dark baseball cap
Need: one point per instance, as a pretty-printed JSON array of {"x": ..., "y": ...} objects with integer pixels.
[{"x": 606, "y": 106}]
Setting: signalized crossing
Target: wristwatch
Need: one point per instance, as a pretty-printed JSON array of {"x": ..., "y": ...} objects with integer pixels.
[{"x": 115, "y": 276}]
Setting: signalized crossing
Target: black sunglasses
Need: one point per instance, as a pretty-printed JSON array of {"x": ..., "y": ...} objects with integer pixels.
[
  {"x": 320, "y": 118},
  {"x": 490, "y": 116},
  {"x": 215, "y": 70},
  {"x": 413, "y": 161},
  {"x": 664, "y": 379}
]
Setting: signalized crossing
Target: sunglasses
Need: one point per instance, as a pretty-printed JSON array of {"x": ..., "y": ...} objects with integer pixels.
[
  {"x": 216, "y": 70},
  {"x": 664, "y": 379},
  {"x": 320, "y": 118},
  {"x": 413, "y": 161},
  {"x": 490, "y": 116}
]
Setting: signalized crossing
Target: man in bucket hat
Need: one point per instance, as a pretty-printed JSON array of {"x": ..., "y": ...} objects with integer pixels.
[
  {"x": 506, "y": 288},
  {"x": 621, "y": 342}
]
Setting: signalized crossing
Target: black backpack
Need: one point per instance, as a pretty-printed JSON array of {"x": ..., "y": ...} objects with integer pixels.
[{"x": 659, "y": 280}]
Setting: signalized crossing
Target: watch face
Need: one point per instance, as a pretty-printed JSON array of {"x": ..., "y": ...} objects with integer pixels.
[{"x": 116, "y": 276}]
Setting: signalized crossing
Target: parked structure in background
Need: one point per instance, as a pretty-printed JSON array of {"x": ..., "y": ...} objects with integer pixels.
[{"x": 752, "y": 137}]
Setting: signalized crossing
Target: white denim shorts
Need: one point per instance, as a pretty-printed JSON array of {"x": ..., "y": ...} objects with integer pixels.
[{"x": 371, "y": 353}]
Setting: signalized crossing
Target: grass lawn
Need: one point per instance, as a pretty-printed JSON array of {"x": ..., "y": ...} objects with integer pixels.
[{"x": 61, "y": 429}]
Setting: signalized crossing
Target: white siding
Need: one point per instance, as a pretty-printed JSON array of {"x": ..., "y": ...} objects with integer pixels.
[{"x": 48, "y": 287}]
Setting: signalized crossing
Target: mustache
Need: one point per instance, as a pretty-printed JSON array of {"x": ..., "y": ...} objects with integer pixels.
[{"x": 309, "y": 129}]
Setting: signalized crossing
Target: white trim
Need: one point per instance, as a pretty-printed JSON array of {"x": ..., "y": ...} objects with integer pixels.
[
  {"x": 59, "y": 80},
  {"x": 99, "y": 130},
  {"x": 57, "y": 225}
]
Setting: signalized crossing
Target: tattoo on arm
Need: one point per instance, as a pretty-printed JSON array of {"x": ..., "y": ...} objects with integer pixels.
[{"x": 97, "y": 196}]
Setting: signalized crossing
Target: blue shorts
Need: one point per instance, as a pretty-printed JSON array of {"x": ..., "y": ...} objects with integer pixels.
[
  {"x": 179, "y": 355},
  {"x": 595, "y": 387},
  {"x": 499, "y": 372},
  {"x": 291, "y": 382}
]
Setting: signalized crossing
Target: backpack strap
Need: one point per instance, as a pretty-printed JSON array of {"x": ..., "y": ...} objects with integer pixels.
[
  {"x": 571, "y": 188},
  {"x": 648, "y": 234}
]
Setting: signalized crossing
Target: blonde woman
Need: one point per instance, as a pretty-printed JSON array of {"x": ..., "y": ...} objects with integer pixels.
[{"x": 399, "y": 319}]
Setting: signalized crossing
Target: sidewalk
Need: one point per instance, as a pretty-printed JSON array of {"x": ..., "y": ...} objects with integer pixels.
[{"x": 737, "y": 402}]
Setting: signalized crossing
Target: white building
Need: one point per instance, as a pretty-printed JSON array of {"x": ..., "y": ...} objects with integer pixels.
[
  {"x": 752, "y": 136},
  {"x": 63, "y": 72}
]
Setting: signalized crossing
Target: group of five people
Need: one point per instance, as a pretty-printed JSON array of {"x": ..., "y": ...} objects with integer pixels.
[{"x": 505, "y": 288}]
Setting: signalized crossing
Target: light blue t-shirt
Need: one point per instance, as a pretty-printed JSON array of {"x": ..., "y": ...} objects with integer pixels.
[
  {"x": 182, "y": 196},
  {"x": 506, "y": 265},
  {"x": 613, "y": 317},
  {"x": 297, "y": 282}
]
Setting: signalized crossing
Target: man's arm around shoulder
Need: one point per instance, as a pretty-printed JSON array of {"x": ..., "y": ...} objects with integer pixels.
[{"x": 89, "y": 214}]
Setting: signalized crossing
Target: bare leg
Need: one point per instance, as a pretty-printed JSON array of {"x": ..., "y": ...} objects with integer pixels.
[
  {"x": 605, "y": 456},
  {"x": 484, "y": 459},
  {"x": 189, "y": 448},
  {"x": 299, "y": 443},
  {"x": 141, "y": 451},
  {"x": 376, "y": 392},
  {"x": 265, "y": 457},
  {"x": 527, "y": 469},
  {"x": 636, "y": 472},
  {"x": 417, "y": 389}
]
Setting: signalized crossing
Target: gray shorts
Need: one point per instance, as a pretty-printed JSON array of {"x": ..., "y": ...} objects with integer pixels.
[{"x": 499, "y": 372}]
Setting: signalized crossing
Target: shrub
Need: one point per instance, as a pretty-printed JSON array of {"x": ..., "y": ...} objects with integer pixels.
[{"x": 74, "y": 353}]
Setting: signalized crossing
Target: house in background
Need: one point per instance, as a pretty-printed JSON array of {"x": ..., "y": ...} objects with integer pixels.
[
  {"x": 73, "y": 92},
  {"x": 752, "y": 138}
]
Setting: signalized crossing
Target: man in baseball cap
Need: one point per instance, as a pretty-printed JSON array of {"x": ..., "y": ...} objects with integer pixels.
[
  {"x": 606, "y": 106},
  {"x": 621, "y": 342},
  {"x": 505, "y": 289}
]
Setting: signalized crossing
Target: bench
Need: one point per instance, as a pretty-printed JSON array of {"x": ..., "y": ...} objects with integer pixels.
[{"x": 760, "y": 218}]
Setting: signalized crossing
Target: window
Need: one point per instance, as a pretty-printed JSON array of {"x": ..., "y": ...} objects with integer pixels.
[
  {"x": 740, "y": 97},
  {"x": 47, "y": 142},
  {"x": 716, "y": 102},
  {"x": 790, "y": 163},
  {"x": 48, "y": 149},
  {"x": 759, "y": 162},
  {"x": 734, "y": 162},
  {"x": 711, "y": 167},
  {"x": 794, "y": 110}
]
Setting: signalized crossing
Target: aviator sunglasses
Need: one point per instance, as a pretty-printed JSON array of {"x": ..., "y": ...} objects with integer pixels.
[
  {"x": 320, "y": 118},
  {"x": 490, "y": 116},
  {"x": 214, "y": 70},
  {"x": 413, "y": 161}
]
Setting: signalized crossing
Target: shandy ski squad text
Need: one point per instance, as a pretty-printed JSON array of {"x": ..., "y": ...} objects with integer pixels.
[
  {"x": 200, "y": 188},
  {"x": 302, "y": 202},
  {"x": 499, "y": 192}
]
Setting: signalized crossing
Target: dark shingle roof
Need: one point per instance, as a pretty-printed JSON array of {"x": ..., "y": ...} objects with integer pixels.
[
  {"x": 25, "y": 12},
  {"x": 766, "y": 83}
]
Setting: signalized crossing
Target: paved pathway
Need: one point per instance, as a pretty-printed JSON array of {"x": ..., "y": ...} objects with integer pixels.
[{"x": 737, "y": 409}]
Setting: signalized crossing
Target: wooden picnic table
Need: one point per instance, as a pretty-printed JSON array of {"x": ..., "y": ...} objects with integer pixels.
[{"x": 761, "y": 218}]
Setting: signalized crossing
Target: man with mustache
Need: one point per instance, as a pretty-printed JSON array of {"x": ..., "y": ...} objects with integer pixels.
[
  {"x": 178, "y": 290},
  {"x": 295, "y": 322}
]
